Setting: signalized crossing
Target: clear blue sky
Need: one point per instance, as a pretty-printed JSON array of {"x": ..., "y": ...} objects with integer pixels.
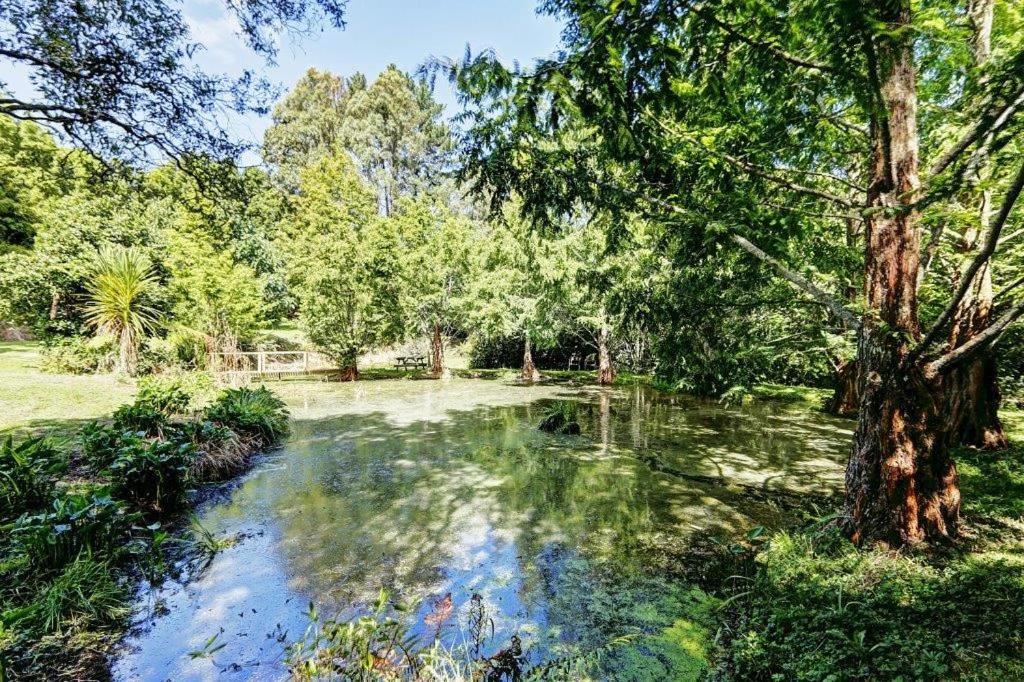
[{"x": 378, "y": 33}]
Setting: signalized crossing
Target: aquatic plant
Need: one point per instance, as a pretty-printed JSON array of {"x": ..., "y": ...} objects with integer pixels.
[
  {"x": 84, "y": 594},
  {"x": 74, "y": 524},
  {"x": 151, "y": 474},
  {"x": 379, "y": 646},
  {"x": 219, "y": 452}
]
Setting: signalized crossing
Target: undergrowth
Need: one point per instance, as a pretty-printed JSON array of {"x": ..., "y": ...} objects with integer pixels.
[
  {"x": 814, "y": 607},
  {"x": 75, "y": 532}
]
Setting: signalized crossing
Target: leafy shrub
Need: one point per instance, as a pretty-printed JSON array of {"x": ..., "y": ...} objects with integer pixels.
[
  {"x": 189, "y": 349},
  {"x": 84, "y": 595},
  {"x": 219, "y": 451},
  {"x": 25, "y": 470},
  {"x": 158, "y": 401},
  {"x": 151, "y": 474},
  {"x": 140, "y": 417},
  {"x": 168, "y": 395},
  {"x": 73, "y": 525},
  {"x": 256, "y": 413},
  {"x": 79, "y": 355},
  {"x": 100, "y": 443}
]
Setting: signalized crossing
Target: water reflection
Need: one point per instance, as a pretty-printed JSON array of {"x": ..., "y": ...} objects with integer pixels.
[{"x": 426, "y": 488}]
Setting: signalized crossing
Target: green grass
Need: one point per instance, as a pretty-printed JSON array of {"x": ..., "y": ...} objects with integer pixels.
[
  {"x": 32, "y": 403},
  {"x": 812, "y": 606}
]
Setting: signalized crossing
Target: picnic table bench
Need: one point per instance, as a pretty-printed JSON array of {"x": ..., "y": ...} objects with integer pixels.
[{"x": 411, "y": 362}]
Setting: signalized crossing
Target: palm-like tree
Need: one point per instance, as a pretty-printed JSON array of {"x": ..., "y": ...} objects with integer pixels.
[{"x": 122, "y": 281}]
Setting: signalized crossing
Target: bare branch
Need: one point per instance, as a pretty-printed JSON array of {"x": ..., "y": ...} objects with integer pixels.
[{"x": 801, "y": 282}]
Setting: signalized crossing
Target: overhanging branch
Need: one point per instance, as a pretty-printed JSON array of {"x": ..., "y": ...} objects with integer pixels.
[{"x": 801, "y": 282}]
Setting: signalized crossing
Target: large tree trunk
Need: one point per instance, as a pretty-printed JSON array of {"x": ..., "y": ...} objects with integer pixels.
[
  {"x": 845, "y": 400},
  {"x": 974, "y": 387},
  {"x": 901, "y": 484},
  {"x": 605, "y": 369},
  {"x": 349, "y": 373},
  {"x": 529, "y": 372},
  {"x": 436, "y": 352}
]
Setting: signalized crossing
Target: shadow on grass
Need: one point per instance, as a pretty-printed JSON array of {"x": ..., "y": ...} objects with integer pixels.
[
  {"x": 62, "y": 432},
  {"x": 992, "y": 483}
]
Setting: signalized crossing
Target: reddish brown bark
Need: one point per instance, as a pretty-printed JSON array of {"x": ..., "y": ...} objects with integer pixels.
[
  {"x": 901, "y": 484},
  {"x": 973, "y": 388},
  {"x": 605, "y": 369},
  {"x": 350, "y": 373},
  {"x": 529, "y": 372},
  {"x": 845, "y": 398}
]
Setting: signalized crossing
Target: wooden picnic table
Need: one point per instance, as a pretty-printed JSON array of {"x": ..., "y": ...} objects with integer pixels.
[{"x": 411, "y": 362}]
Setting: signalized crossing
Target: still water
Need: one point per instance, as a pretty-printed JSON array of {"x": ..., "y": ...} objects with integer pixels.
[{"x": 426, "y": 488}]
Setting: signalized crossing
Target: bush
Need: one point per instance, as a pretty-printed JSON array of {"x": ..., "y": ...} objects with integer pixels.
[
  {"x": 73, "y": 525},
  {"x": 79, "y": 355},
  {"x": 189, "y": 349},
  {"x": 219, "y": 451},
  {"x": 84, "y": 595},
  {"x": 151, "y": 474},
  {"x": 160, "y": 399},
  {"x": 99, "y": 444},
  {"x": 25, "y": 471},
  {"x": 256, "y": 413}
]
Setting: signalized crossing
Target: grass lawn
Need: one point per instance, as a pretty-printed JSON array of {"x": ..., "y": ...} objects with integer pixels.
[{"x": 32, "y": 402}]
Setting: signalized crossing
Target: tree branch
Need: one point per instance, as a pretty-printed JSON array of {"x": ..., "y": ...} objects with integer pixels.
[
  {"x": 989, "y": 247},
  {"x": 801, "y": 282},
  {"x": 760, "y": 44},
  {"x": 980, "y": 127},
  {"x": 976, "y": 345},
  {"x": 767, "y": 175}
]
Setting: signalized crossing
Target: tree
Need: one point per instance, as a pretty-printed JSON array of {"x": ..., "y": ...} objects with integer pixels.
[
  {"x": 119, "y": 78},
  {"x": 119, "y": 293},
  {"x": 518, "y": 286},
  {"x": 394, "y": 129},
  {"x": 308, "y": 123},
  {"x": 434, "y": 243},
  {"x": 336, "y": 262},
  {"x": 734, "y": 124}
]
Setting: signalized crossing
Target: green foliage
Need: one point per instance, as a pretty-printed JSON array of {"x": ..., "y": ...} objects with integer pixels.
[
  {"x": 26, "y": 470},
  {"x": 79, "y": 355},
  {"x": 84, "y": 595},
  {"x": 73, "y": 524},
  {"x": 118, "y": 292},
  {"x": 151, "y": 474},
  {"x": 378, "y": 645},
  {"x": 821, "y": 609},
  {"x": 255, "y": 413}
]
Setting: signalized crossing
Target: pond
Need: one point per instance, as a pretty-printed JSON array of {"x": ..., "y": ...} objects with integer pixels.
[{"x": 428, "y": 488}]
